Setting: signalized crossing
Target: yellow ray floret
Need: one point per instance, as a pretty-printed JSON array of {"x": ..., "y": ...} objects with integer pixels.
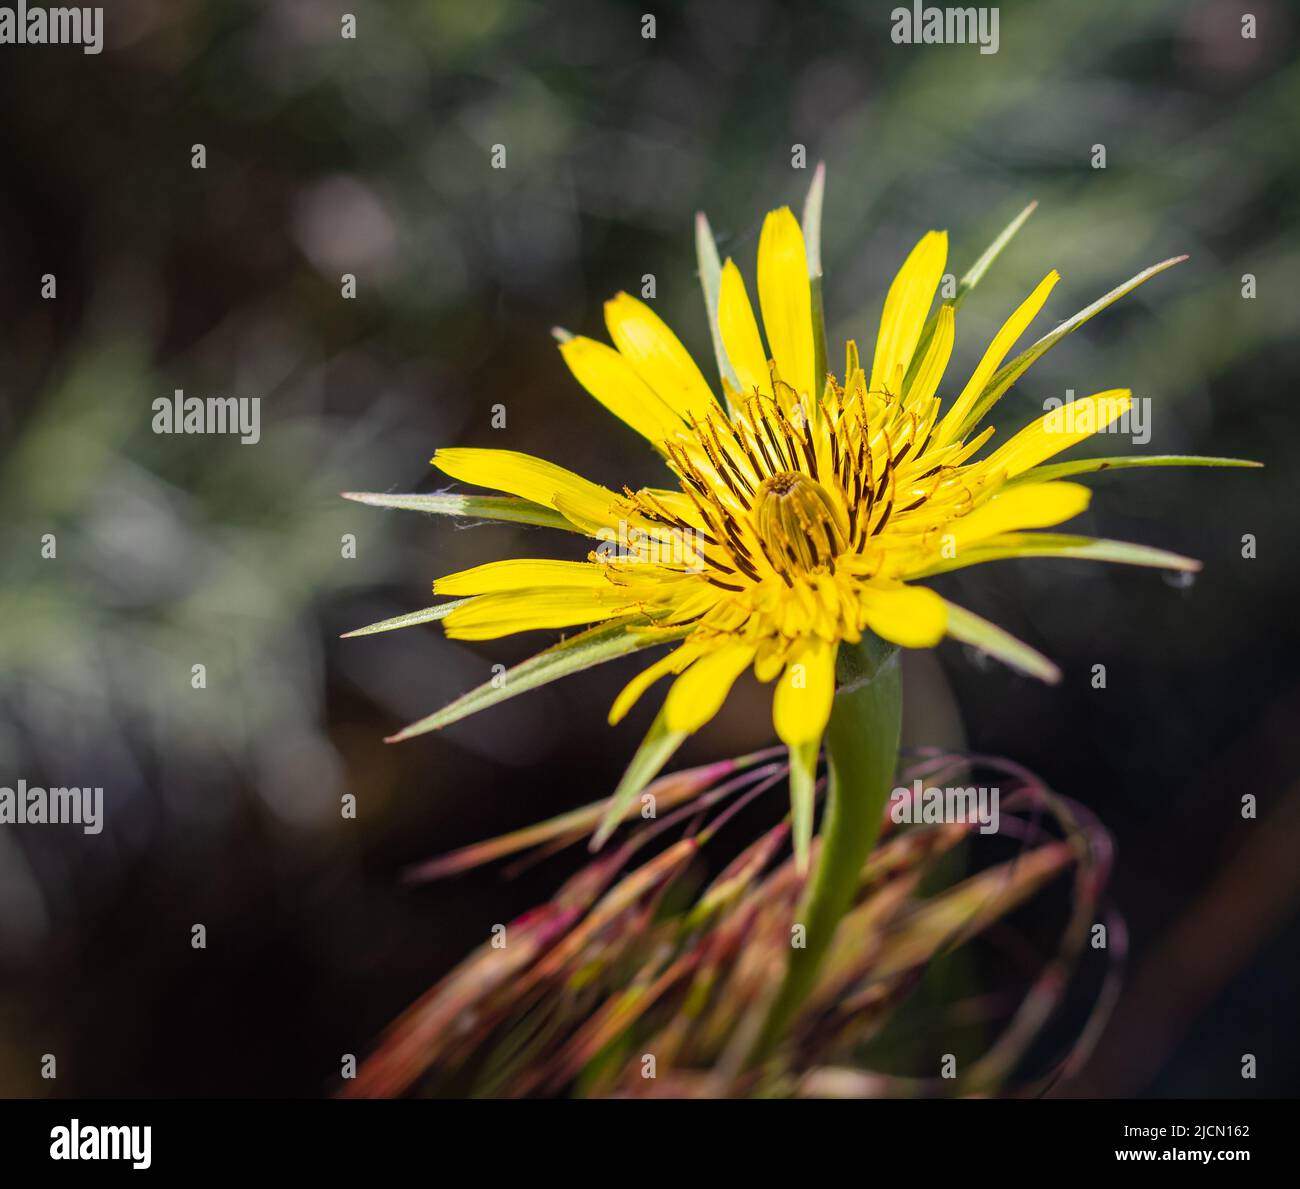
[
  {"x": 801, "y": 704},
  {"x": 529, "y": 608},
  {"x": 532, "y": 478},
  {"x": 906, "y": 307},
  {"x": 785, "y": 296}
]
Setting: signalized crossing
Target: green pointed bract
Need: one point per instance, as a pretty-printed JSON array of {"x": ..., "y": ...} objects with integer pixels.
[
  {"x": 1014, "y": 545},
  {"x": 1088, "y": 466},
  {"x": 505, "y": 508},
  {"x": 977, "y": 270},
  {"x": 1028, "y": 357},
  {"x": 812, "y": 238},
  {"x": 586, "y": 649},
  {"x": 656, "y": 750},
  {"x": 803, "y": 785},
  {"x": 409, "y": 620},
  {"x": 971, "y": 629},
  {"x": 706, "y": 252}
]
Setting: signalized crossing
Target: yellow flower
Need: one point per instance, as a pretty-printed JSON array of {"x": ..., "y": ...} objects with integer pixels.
[{"x": 802, "y": 508}]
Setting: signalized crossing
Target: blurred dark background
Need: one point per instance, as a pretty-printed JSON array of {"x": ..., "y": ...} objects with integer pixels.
[{"x": 371, "y": 156}]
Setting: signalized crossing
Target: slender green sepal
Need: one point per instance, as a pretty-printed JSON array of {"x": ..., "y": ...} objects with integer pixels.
[
  {"x": 410, "y": 619},
  {"x": 803, "y": 785},
  {"x": 812, "y": 220},
  {"x": 656, "y": 750},
  {"x": 506, "y": 508},
  {"x": 1022, "y": 362},
  {"x": 862, "y": 756},
  {"x": 592, "y": 647},
  {"x": 1013, "y": 545},
  {"x": 1087, "y": 466},
  {"x": 706, "y": 253},
  {"x": 812, "y": 238},
  {"x": 971, "y": 629},
  {"x": 976, "y": 272}
]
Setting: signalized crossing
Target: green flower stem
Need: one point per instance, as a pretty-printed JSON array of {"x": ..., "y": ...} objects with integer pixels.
[{"x": 862, "y": 752}]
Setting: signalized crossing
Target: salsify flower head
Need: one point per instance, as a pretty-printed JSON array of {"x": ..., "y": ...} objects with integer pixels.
[{"x": 803, "y": 506}]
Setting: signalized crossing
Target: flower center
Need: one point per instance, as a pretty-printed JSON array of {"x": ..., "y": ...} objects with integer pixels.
[{"x": 797, "y": 522}]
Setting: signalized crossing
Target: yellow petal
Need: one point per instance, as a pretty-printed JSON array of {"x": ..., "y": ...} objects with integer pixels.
[
  {"x": 631, "y": 693},
  {"x": 658, "y": 357},
  {"x": 1037, "y": 505},
  {"x": 926, "y": 381},
  {"x": 804, "y": 693},
  {"x": 740, "y": 333},
  {"x": 1059, "y": 429},
  {"x": 1002, "y": 343},
  {"x": 785, "y": 296},
  {"x": 770, "y": 658},
  {"x": 910, "y": 616},
  {"x": 697, "y": 695},
  {"x": 519, "y": 573},
  {"x": 907, "y": 306},
  {"x": 611, "y": 379},
  {"x": 533, "y": 478},
  {"x": 490, "y": 616}
]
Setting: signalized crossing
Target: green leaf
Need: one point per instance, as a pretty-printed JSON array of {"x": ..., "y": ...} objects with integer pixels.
[
  {"x": 656, "y": 750},
  {"x": 706, "y": 252},
  {"x": 968, "y": 282},
  {"x": 1022, "y": 362},
  {"x": 812, "y": 238},
  {"x": 1085, "y": 466},
  {"x": 803, "y": 784},
  {"x": 592, "y": 647},
  {"x": 410, "y": 619},
  {"x": 969, "y": 628},
  {"x": 1013, "y": 545},
  {"x": 506, "y": 508}
]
